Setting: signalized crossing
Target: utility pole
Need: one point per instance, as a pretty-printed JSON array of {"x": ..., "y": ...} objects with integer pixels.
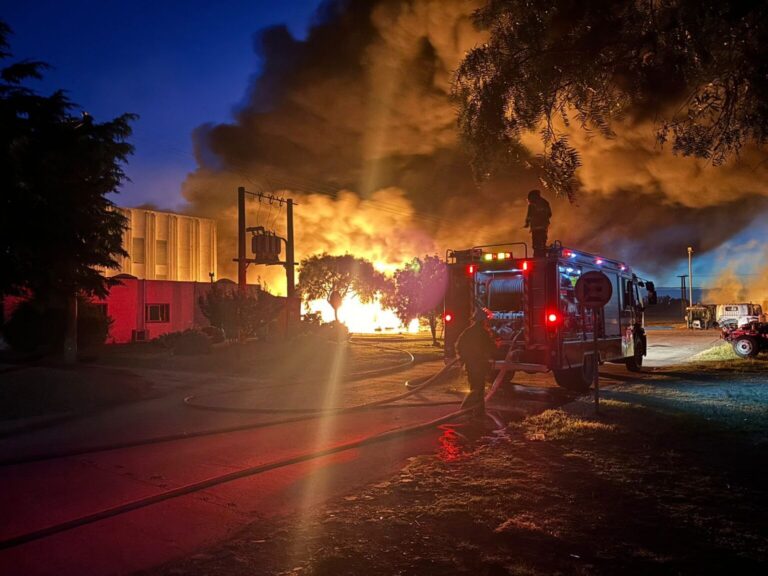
[
  {"x": 241, "y": 259},
  {"x": 690, "y": 287},
  {"x": 683, "y": 291},
  {"x": 293, "y": 305},
  {"x": 290, "y": 267}
]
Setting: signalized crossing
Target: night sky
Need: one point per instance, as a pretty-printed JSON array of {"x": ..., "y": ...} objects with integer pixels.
[
  {"x": 176, "y": 64},
  {"x": 182, "y": 65}
]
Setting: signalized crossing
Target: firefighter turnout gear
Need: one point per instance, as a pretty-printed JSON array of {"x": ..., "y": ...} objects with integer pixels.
[
  {"x": 537, "y": 219},
  {"x": 475, "y": 347}
]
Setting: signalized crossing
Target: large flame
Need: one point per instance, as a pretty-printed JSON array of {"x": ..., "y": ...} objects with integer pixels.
[{"x": 360, "y": 318}]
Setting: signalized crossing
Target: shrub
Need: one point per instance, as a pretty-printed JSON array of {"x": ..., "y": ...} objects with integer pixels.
[
  {"x": 187, "y": 343},
  {"x": 34, "y": 327}
]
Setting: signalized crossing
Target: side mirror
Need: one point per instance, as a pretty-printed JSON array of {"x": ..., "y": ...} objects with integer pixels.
[{"x": 652, "y": 296}]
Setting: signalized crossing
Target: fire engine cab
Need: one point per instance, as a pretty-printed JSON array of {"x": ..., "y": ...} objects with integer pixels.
[{"x": 533, "y": 312}]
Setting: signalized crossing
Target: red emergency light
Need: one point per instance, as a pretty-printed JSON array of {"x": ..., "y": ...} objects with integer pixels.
[
  {"x": 448, "y": 317},
  {"x": 526, "y": 265},
  {"x": 553, "y": 318},
  {"x": 471, "y": 269}
]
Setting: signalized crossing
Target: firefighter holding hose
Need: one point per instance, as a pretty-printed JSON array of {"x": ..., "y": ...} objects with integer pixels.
[
  {"x": 475, "y": 347},
  {"x": 537, "y": 219}
]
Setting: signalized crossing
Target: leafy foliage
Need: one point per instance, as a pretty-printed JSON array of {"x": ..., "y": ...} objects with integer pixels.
[
  {"x": 57, "y": 226},
  {"x": 418, "y": 291},
  {"x": 36, "y": 327},
  {"x": 231, "y": 311},
  {"x": 334, "y": 277},
  {"x": 189, "y": 342},
  {"x": 700, "y": 67}
]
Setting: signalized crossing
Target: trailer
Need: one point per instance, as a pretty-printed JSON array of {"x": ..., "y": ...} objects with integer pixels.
[{"x": 533, "y": 312}]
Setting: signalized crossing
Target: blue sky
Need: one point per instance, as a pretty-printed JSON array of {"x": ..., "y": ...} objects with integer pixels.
[{"x": 176, "y": 64}]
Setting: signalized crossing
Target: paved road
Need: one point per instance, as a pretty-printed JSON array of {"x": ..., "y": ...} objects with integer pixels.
[
  {"x": 668, "y": 347},
  {"x": 36, "y": 495}
]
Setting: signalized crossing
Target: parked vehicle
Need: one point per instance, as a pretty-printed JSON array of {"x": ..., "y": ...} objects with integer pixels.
[
  {"x": 737, "y": 314},
  {"x": 700, "y": 316},
  {"x": 749, "y": 340}
]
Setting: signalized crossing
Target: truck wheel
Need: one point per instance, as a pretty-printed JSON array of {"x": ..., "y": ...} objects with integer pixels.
[
  {"x": 746, "y": 347},
  {"x": 577, "y": 379}
]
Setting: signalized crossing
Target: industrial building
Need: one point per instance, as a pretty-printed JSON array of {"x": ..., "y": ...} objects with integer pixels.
[{"x": 167, "y": 246}]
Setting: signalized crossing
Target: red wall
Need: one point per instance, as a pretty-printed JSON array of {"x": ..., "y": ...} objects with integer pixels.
[{"x": 126, "y": 304}]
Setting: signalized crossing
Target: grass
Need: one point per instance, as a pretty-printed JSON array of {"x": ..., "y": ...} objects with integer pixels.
[
  {"x": 557, "y": 425},
  {"x": 720, "y": 353}
]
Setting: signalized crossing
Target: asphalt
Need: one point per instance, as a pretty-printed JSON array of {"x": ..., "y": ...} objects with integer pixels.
[{"x": 36, "y": 495}]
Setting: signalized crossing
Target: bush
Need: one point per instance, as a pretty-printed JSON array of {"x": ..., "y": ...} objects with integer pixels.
[
  {"x": 33, "y": 327},
  {"x": 92, "y": 326},
  {"x": 187, "y": 343}
]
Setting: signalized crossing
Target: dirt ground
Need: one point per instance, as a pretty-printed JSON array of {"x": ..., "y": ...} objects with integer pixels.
[{"x": 664, "y": 481}]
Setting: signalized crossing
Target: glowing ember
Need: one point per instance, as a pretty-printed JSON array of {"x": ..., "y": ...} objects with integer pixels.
[{"x": 362, "y": 318}]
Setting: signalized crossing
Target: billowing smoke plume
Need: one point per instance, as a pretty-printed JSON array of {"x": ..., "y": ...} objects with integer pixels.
[
  {"x": 362, "y": 105},
  {"x": 744, "y": 276}
]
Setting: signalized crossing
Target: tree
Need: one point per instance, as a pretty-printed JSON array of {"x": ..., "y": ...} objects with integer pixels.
[
  {"x": 700, "y": 66},
  {"x": 57, "y": 225},
  {"x": 334, "y": 277},
  {"x": 418, "y": 292},
  {"x": 234, "y": 312}
]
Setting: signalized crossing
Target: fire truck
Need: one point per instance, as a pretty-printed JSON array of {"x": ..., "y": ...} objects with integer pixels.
[{"x": 532, "y": 310}]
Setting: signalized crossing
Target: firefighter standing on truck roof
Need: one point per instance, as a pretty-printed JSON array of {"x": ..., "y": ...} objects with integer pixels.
[
  {"x": 475, "y": 348},
  {"x": 537, "y": 219}
]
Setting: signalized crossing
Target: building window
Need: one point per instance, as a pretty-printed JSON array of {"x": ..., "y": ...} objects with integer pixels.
[
  {"x": 162, "y": 252},
  {"x": 157, "y": 313},
  {"x": 137, "y": 252}
]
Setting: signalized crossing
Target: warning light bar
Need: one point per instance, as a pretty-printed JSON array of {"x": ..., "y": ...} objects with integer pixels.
[{"x": 490, "y": 256}]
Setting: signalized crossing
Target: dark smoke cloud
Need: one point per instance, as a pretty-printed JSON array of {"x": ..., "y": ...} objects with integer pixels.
[{"x": 362, "y": 105}]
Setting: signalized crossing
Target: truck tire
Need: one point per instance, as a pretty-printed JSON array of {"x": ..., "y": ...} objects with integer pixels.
[
  {"x": 577, "y": 379},
  {"x": 746, "y": 347}
]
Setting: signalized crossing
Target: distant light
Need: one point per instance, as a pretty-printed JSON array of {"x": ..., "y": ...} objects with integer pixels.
[
  {"x": 448, "y": 317},
  {"x": 622, "y": 267},
  {"x": 599, "y": 261}
]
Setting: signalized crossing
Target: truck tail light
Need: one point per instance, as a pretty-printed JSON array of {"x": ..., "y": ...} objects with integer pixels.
[
  {"x": 526, "y": 265},
  {"x": 553, "y": 319}
]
